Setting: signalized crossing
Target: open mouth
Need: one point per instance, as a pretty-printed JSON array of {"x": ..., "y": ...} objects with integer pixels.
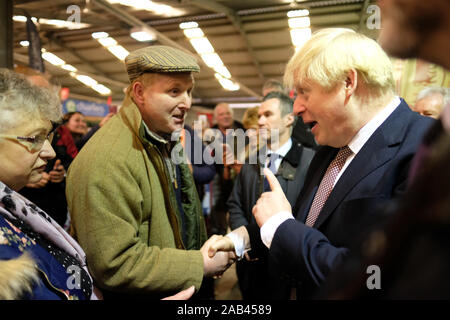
[
  {"x": 179, "y": 116},
  {"x": 311, "y": 124},
  {"x": 41, "y": 168}
]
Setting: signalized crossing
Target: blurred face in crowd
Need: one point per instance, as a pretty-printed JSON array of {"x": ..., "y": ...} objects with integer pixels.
[
  {"x": 269, "y": 118},
  {"x": 223, "y": 116},
  {"x": 430, "y": 106},
  {"x": 22, "y": 161},
  {"x": 76, "y": 124},
  {"x": 326, "y": 113},
  {"x": 407, "y": 24},
  {"x": 165, "y": 102}
]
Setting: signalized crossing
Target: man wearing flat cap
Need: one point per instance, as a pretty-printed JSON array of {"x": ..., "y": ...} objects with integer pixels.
[{"x": 135, "y": 212}]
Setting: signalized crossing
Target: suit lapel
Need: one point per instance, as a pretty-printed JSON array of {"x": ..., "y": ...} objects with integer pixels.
[{"x": 379, "y": 149}]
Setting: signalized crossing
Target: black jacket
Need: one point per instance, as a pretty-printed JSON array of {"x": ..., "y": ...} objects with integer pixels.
[{"x": 247, "y": 189}]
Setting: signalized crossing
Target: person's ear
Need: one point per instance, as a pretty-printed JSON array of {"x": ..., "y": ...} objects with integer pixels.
[
  {"x": 351, "y": 83},
  {"x": 289, "y": 119},
  {"x": 138, "y": 93}
]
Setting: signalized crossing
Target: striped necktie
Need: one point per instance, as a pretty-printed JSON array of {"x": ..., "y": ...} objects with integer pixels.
[{"x": 327, "y": 184}]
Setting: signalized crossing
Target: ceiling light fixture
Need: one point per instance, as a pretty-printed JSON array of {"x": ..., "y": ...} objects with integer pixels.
[
  {"x": 203, "y": 47},
  {"x": 111, "y": 44},
  {"x": 161, "y": 9},
  {"x": 53, "y": 22},
  {"x": 143, "y": 35},
  {"x": 300, "y": 27}
]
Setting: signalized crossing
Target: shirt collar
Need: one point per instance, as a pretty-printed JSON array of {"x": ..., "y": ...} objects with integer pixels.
[
  {"x": 370, "y": 127},
  {"x": 174, "y": 137},
  {"x": 283, "y": 150}
]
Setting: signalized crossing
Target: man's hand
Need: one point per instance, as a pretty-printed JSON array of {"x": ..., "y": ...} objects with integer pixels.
[
  {"x": 182, "y": 295},
  {"x": 42, "y": 183},
  {"x": 58, "y": 172},
  {"x": 221, "y": 244},
  {"x": 271, "y": 202},
  {"x": 216, "y": 266}
]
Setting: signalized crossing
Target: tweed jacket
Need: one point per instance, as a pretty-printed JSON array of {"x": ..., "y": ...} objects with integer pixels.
[{"x": 125, "y": 215}]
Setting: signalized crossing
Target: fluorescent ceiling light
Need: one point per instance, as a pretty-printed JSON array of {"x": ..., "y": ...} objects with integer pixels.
[
  {"x": 202, "y": 45},
  {"x": 101, "y": 89},
  {"x": 24, "y": 43},
  {"x": 301, "y": 22},
  {"x": 300, "y": 36},
  {"x": 107, "y": 42},
  {"x": 99, "y": 35},
  {"x": 188, "y": 25},
  {"x": 148, "y": 5},
  {"x": 69, "y": 67},
  {"x": 229, "y": 85},
  {"x": 111, "y": 44},
  {"x": 64, "y": 24},
  {"x": 120, "y": 52},
  {"x": 86, "y": 80},
  {"x": 193, "y": 33},
  {"x": 53, "y": 59},
  {"x": 92, "y": 83},
  {"x": 53, "y": 22},
  {"x": 298, "y": 13},
  {"x": 24, "y": 19},
  {"x": 143, "y": 36},
  {"x": 223, "y": 71},
  {"x": 212, "y": 60}
]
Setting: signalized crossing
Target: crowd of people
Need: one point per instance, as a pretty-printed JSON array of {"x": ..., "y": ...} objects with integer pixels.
[{"x": 338, "y": 177}]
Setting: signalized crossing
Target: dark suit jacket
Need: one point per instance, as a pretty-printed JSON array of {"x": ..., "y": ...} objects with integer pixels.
[
  {"x": 377, "y": 174},
  {"x": 248, "y": 185},
  {"x": 257, "y": 279}
]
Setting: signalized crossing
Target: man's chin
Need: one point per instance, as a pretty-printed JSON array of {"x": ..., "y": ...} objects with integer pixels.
[{"x": 34, "y": 178}]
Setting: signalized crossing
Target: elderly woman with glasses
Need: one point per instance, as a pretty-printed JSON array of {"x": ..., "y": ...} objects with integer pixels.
[{"x": 38, "y": 259}]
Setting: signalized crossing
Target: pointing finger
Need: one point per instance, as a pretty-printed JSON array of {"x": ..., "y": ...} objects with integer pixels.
[
  {"x": 273, "y": 181},
  {"x": 57, "y": 163}
]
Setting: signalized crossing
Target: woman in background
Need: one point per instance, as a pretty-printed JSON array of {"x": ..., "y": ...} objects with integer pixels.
[{"x": 74, "y": 121}]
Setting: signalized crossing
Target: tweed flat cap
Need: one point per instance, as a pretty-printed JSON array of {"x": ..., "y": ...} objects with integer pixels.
[{"x": 159, "y": 59}]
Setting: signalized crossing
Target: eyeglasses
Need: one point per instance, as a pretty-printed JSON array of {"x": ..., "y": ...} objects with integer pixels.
[{"x": 32, "y": 143}]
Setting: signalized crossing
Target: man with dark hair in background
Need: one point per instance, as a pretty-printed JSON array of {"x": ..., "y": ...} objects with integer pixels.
[{"x": 289, "y": 160}]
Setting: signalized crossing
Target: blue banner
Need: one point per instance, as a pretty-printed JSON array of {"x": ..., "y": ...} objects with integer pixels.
[{"x": 88, "y": 108}]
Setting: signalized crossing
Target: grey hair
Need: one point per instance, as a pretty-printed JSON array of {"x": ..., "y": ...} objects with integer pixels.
[
  {"x": 273, "y": 84},
  {"x": 223, "y": 104},
  {"x": 429, "y": 91},
  {"x": 20, "y": 100}
]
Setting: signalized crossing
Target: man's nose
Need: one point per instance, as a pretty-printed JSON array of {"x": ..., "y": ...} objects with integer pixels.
[
  {"x": 299, "y": 106},
  {"x": 261, "y": 121},
  {"x": 186, "y": 101}
]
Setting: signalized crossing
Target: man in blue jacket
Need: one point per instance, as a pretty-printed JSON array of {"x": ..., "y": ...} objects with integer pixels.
[{"x": 345, "y": 92}]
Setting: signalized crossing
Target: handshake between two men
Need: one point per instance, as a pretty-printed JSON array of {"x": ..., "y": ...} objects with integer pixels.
[{"x": 220, "y": 252}]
